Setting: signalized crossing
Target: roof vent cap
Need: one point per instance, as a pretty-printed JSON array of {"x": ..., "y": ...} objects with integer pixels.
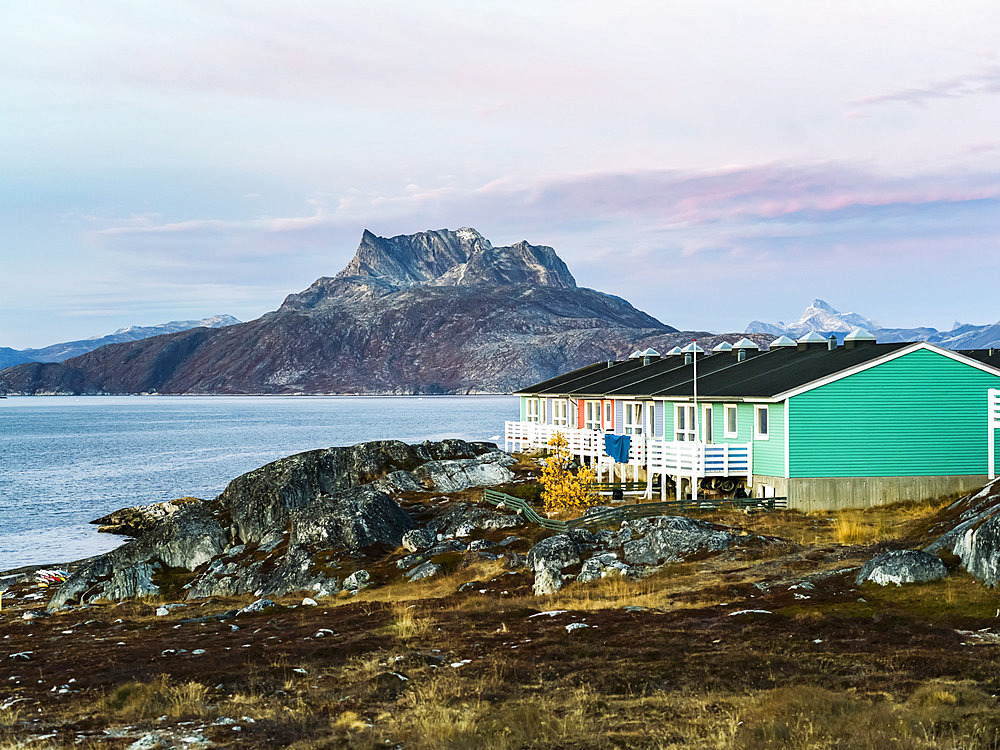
[
  {"x": 693, "y": 348},
  {"x": 745, "y": 343},
  {"x": 675, "y": 352},
  {"x": 859, "y": 334},
  {"x": 812, "y": 338},
  {"x": 782, "y": 342},
  {"x": 725, "y": 346}
]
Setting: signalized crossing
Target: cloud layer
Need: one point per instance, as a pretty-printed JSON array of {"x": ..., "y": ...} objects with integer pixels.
[{"x": 709, "y": 161}]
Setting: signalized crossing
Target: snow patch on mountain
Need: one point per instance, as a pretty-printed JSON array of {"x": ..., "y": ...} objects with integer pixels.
[{"x": 822, "y": 317}]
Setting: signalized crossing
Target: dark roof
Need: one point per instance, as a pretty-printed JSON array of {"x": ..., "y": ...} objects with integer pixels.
[
  {"x": 778, "y": 370},
  {"x": 984, "y": 356},
  {"x": 567, "y": 377},
  {"x": 581, "y": 379},
  {"x": 721, "y": 375},
  {"x": 656, "y": 376}
]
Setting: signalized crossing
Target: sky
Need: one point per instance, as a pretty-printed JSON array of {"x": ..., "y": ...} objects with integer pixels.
[{"x": 711, "y": 161}]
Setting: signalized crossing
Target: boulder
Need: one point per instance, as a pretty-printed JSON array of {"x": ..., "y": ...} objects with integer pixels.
[
  {"x": 557, "y": 551},
  {"x": 424, "y": 570},
  {"x": 671, "y": 539},
  {"x": 258, "y": 606},
  {"x": 461, "y": 519},
  {"x": 602, "y": 566},
  {"x": 548, "y": 580},
  {"x": 972, "y": 532},
  {"x": 357, "y": 580},
  {"x": 902, "y": 566},
  {"x": 415, "y": 540}
]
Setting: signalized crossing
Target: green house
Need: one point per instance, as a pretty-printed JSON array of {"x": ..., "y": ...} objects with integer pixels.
[{"x": 822, "y": 424}]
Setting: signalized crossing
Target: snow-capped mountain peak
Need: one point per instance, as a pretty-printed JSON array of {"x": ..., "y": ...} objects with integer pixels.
[{"x": 818, "y": 316}]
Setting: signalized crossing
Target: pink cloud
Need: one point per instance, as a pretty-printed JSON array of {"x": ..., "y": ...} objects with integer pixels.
[{"x": 986, "y": 81}]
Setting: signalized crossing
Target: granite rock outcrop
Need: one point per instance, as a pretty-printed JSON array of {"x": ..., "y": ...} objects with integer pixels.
[{"x": 296, "y": 524}]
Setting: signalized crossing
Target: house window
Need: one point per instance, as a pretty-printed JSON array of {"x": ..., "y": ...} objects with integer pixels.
[
  {"x": 559, "y": 412},
  {"x": 609, "y": 416},
  {"x": 531, "y": 410},
  {"x": 683, "y": 422},
  {"x": 706, "y": 429},
  {"x": 592, "y": 415},
  {"x": 541, "y": 410},
  {"x": 633, "y": 419},
  {"x": 732, "y": 423},
  {"x": 760, "y": 424}
]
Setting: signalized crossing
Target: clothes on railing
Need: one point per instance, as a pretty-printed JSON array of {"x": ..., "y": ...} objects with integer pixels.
[{"x": 617, "y": 446}]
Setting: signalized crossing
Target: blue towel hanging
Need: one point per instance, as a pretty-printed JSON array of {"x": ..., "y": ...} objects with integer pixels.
[{"x": 617, "y": 447}]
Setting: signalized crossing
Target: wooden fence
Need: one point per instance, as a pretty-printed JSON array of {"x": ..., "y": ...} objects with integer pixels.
[{"x": 606, "y": 516}]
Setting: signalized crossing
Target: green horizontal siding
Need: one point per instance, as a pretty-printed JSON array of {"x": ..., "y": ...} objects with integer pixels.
[
  {"x": 922, "y": 414},
  {"x": 769, "y": 455}
]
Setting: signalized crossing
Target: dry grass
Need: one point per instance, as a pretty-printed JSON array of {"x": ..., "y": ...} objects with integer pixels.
[
  {"x": 407, "y": 624},
  {"x": 148, "y": 700},
  {"x": 456, "y": 711},
  {"x": 853, "y": 531},
  {"x": 954, "y": 715}
]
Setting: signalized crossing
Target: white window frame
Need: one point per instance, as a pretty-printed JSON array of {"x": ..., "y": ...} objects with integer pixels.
[
  {"x": 727, "y": 410},
  {"x": 541, "y": 410},
  {"x": 560, "y": 410},
  {"x": 687, "y": 432},
  {"x": 609, "y": 416},
  {"x": 633, "y": 411},
  {"x": 707, "y": 428},
  {"x": 758, "y": 409},
  {"x": 592, "y": 417},
  {"x": 531, "y": 410}
]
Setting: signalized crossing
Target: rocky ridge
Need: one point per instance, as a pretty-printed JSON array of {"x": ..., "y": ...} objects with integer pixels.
[
  {"x": 435, "y": 312},
  {"x": 69, "y": 349}
]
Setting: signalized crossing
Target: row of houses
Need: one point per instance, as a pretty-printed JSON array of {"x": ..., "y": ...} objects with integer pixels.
[{"x": 825, "y": 425}]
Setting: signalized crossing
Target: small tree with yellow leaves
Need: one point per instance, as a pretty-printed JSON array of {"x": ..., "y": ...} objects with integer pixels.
[{"x": 561, "y": 488}]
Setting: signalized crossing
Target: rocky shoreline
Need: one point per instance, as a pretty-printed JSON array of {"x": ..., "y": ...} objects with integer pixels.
[{"x": 357, "y": 581}]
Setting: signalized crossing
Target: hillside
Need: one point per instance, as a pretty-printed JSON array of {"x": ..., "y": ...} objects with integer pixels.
[
  {"x": 434, "y": 312},
  {"x": 69, "y": 349}
]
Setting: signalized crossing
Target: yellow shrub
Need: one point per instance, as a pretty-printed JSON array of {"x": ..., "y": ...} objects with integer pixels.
[{"x": 561, "y": 488}]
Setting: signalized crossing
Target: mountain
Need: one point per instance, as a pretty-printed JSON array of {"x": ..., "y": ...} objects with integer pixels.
[
  {"x": 434, "y": 312},
  {"x": 819, "y": 316},
  {"x": 822, "y": 317},
  {"x": 69, "y": 349}
]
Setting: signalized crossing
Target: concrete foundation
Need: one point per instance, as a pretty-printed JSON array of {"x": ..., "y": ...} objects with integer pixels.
[{"x": 833, "y": 493}]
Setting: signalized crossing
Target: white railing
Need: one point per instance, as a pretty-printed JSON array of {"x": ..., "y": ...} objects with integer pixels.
[
  {"x": 701, "y": 459},
  {"x": 527, "y": 436},
  {"x": 672, "y": 457}
]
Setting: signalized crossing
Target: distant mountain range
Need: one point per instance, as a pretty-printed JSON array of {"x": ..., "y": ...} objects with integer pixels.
[
  {"x": 823, "y": 318},
  {"x": 60, "y": 352},
  {"x": 433, "y": 312}
]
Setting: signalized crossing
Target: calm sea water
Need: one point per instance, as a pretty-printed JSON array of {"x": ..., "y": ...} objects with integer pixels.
[{"x": 66, "y": 460}]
